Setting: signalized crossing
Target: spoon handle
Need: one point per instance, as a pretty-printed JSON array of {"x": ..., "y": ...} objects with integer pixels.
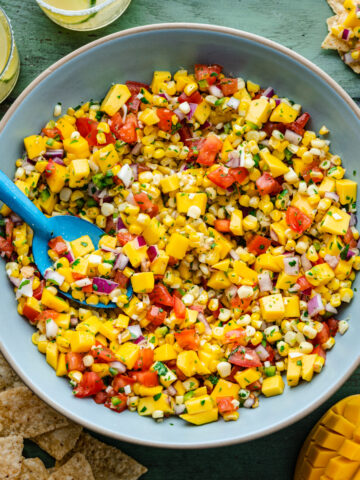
[{"x": 19, "y": 203}]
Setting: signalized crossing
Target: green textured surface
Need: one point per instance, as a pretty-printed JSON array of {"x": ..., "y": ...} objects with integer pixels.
[{"x": 299, "y": 25}]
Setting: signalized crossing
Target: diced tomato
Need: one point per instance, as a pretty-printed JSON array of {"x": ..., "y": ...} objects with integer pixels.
[
  {"x": 299, "y": 124},
  {"x": 333, "y": 325},
  {"x": 145, "y": 204},
  {"x": 30, "y": 313},
  {"x": 266, "y": 184},
  {"x": 52, "y": 132},
  {"x": 78, "y": 276},
  {"x": 185, "y": 135},
  {"x": 165, "y": 116},
  {"x": 322, "y": 336},
  {"x": 188, "y": 339},
  {"x": 58, "y": 245},
  {"x": 254, "y": 387},
  {"x": 37, "y": 293},
  {"x": 74, "y": 361},
  {"x": 116, "y": 123},
  {"x": 258, "y": 244},
  {"x": 229, "y": 86},
  {"x": 269, "y": 127},
  {"x": 121, "y": 279},
  {"x": 117, "y": 403},
  {"x": 102, "y": 354},
  {"x": 88, "y": 129},
  {"x": 222, "y": 225},
  {"x": 303, "y": 283},
  {"x": 125, "y": 237},
  {"x": 146, "y": 378},
  {"x": 238, "y": 335},
  {"x": 318, "y": 350},
  {"x": 161, "y": 295},
  {"x": 90, "y": 384},
  {"x": 239, "y": 174},
  {"x": 144, "y": 360},
  {"x": 310, "y": 170},
  {"x": 173, "y": 261},
  {"x": 207, "y": 73},
  {"x": 198, "y": 308},
  {"x": 193, "y": 98},
  {"x": 6, "y": 247},
  {"x": 208, "y": 150},
  {"x": 120, "y": 381},
  {"x": 271, "y": 353},
  {"x": 127, "y": 131},
  {"x": 245, "y": 357},
  {"x": 222, "y": 177},
  {"x": 100, "y": 397},
  {"x": 297, "y": 220},
  {"x": 179, "y": 307},
  {"x": 87, "y": 289},
  {"x": 225, "y": 404},
  {"x": 46, "y": 315},
  {"x": 349, "y": 239},
  {"x": 156, "y": 315},
  {"x": 134, "y": 102},
  {"x": 242, "y": 303}
]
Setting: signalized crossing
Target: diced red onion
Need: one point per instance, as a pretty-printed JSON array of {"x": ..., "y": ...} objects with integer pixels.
[
  {"x": 205, "y": 125},
  {"x": 135, "y": 331},
  {"x": 348, "y": 58},
  {"x": 136, "y": 150},
  {"x": 25, "y": 288},
  {"x": 120, "y": 225},
  {"x": 134, "y": 168},
  {"x": 332, "y": 195},
  {"x": 233, "y": 103},
  {"x": 152, "y": 252},
  {"x": 69, "y": 255},
  {"x": 120, "y": 367},
  {"x": 141, "y": 241},
  {"x": 234, "y": 255},
  {"x": 233, "y": 159},
  {"x": 351, "y": 253},
  {"x": 180, "y": 114},
  {"x": 15, "y": 219},
  {"x": 291, "y": 265},
  {"x": 274, "y": 236},
  {"x": 346, "y": 34},
  {"x": 103, "y": 193},
  {"x": 292, "y": 137},
  {"x": 59, "y": 161},
  {"x": 108, "y": 249},
  {"x": 265, "y": 142},
  {"x": 315, "y": 305},
  {"x": 51, "y": 329},
  {"x": 54, "y": 153},
  {"x": 294, "y": 288},
  {"x": 83, "y": 282},
  {"x": 121, "y": 262},
  {"x": 172, "y": 390},
  {"x": 103, "y": 285},
  {"x": 193, "y": 107},
  {"x": 54, "y": 277},
  {"x": 331, "y": 260},
  {"x": 74, "y": 321},
  {"x": 353, "y": 220},
  {"x": 265, "y": 282},
  {"x": 126, "y": 175},
  {"x": 231, "y": 292},
  {"x": 277, "y": 101},
  {"x": 130, "y": 199},
  {"x": 125, "y": 110},
  {"x": 262, "y": 352},
  {"x": 269, "y": 92},
  {"x": 179, "y": 409},
  {"x": 15, "y": 281},
  {"x": 305, "y": 262},
  {"x": 329, "y": 308},
  {"x": 139, "y": 340},
  {"x": 201, "y": 317},
  {"x": 216, "y": 91},
  {"x": 249, "y": 402}
]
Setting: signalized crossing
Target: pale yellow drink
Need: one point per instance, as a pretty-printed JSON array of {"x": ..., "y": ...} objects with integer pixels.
[
  {"x": 9, "y": 58},
  {"x": 83, "y": 14}
]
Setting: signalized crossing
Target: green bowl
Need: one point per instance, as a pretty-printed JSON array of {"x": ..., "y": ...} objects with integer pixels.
[{"x": 133, "y": 55}]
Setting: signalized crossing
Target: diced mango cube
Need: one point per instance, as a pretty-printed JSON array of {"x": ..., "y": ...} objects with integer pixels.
[
  {"x": 143, "y": 282},
  {"x": 236, "y": 222},
  {"x": 128, "y": 353},
  {"x": 52, "y": 301},
  {"x": 346, "y": 189},
  {"x": 149, "y": 117},
  {"x": 245, "y": 272},
  {"x": 56, "y": 180},
  {"x": 272, "y": 307},
  {"x": 247, "y": 377},
  {"x": 276, "y": 166},
  {"x": 272, "y": 386},
  {"x": 153, "y": 232},
  {"x": 201, "y": 418},
  {"x": 335, "y": 221},
  {"x": 135, "y": 254},
  {"x": 82, "y": 246},
  {"x": 258, "y": 112},
  {"x": 307, "y": 367},
  {"x": 109, "y": 330},
  {"x": 77, "y": 146},
  {"x": 283, "y": 113},
  {"x": 106, "y": 157},
  {"x": 158, "y": 78},
  {"x": 79, "y": 171},
  {"x": 35, "y": 146},
  {"x": 170, "y": 183},
  {"x": 164, "y": 353},
  {"x": 202, "y": 112},
  {"x": 224, "y": 388},
  {"x": 320, "y": 274},
  {"x": 177, "y": 245},
  {"x": 52, "y": 354},
  {"x": 116, "y": 97},
  {"x": 186, "y": 200},
  {"x": 199, "y": 404},
  {"x": 292, "y": 306},
  {"x": 82, "y": 341},
  {"x": 187, "y": 362}
]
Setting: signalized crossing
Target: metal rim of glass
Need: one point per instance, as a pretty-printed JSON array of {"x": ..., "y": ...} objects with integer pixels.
[
  {"x": 72, "y": 13},
  {"x": 12, "y": 40}
]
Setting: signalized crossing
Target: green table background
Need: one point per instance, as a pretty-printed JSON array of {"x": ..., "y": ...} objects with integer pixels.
[{"x": 297, "y": 24}]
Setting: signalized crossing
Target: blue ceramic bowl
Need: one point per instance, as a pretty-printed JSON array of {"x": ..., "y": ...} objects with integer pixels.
[{"x": 133, "y": 55}]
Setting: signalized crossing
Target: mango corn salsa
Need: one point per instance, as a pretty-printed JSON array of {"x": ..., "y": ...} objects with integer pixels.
[{"x": 229, "y": 243}]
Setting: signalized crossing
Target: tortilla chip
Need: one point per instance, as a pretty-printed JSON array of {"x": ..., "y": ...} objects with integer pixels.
[
  {"x": 334, "y": 43},
  {"x": 77, "y": 468},
  {"x": 10, "y": 456},
  {"x": 33, "y": 469},
  {"x": 60, "y": 441},
  {"x": 22, "y": 413},
  {"x": 354, "y": 66},
  {"x": 336, "y": 5},
  {"x": 8, "y": 377},
  {"x": 108, "y": 463}
]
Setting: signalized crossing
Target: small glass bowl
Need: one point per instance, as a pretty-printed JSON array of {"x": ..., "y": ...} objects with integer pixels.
[
  {"x": 91, "y": 18},
  {"x": 11, "y": 70}
]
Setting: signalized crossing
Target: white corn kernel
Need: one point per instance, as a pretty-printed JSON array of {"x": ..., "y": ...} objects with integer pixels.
[
  {"x": 343, "y": 326},
  {"x": 107, "y": 209},
  {"x": 57, "y": 110},
  {"x": 224, "y": 369},
  {"x": 65, "y": 194},
  {"x": 306, "y": 347}
]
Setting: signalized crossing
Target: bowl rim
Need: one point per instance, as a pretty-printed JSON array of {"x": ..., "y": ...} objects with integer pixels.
[{"x": 215, "y": 29}]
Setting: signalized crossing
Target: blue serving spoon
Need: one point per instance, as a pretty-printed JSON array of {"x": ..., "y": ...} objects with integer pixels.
[{"x": 66, "y": 226}]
